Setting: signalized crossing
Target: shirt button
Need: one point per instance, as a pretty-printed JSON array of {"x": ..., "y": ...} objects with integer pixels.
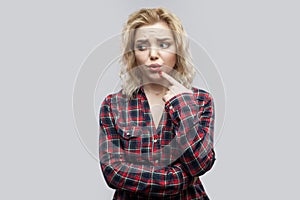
[
  {"x": 156, "y": 161},
  {"x": 128, "y": 134},
  {"x": 171, "y": 107},
  {"x": 155, "y": 140}
]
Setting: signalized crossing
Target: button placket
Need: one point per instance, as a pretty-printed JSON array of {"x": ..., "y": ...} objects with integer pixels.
[
  {"x": 155, "y": 146},
  {"x": 155, "y": 137}
]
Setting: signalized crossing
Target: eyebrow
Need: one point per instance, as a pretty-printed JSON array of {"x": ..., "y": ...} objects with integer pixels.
[
  {"x": 141, "y": 40},
  {"x": 159, "y": 39},
  {"x": 164, "y": 39}
]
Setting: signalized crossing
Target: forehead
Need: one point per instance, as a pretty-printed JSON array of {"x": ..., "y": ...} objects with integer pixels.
[{"x": 159, "y": 29}]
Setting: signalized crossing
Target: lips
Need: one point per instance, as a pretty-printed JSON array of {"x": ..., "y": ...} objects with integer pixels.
[{"x": 154, "y": 65}]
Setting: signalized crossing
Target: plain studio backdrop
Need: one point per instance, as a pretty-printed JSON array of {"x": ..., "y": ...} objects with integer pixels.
[{"x": 254, "y": 44}]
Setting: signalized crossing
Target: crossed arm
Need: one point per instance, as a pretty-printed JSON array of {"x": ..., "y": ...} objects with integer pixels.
[{"x": 194, "y": 126}]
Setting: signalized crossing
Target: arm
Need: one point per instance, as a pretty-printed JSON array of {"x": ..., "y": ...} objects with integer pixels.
[
  {"x": 194, "y": 120},
  {"x": 120, "y": 174}
]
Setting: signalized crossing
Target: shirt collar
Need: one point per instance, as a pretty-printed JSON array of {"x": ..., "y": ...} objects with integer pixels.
[{"x": 139, "y": 92}]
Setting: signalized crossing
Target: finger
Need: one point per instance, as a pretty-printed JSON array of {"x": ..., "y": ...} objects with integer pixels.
[{"x": 168, "y": 78}]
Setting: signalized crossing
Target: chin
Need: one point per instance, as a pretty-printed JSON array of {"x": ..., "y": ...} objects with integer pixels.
[{"x": 152, "y": 78}]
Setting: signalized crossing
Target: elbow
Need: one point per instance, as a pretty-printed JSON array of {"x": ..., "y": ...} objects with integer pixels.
[
  {"x": 198, "y": 166},
  {"x": 109, "y": 175},
  {"x": 207, "y": 163}
]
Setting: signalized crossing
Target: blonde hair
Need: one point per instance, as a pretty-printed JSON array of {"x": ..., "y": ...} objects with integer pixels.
[{"x": 185, "y": 71}]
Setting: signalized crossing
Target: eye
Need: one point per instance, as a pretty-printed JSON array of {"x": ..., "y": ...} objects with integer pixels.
[
  {"x": 141, "y": 47},
  {"x": 164, "y": 45}
]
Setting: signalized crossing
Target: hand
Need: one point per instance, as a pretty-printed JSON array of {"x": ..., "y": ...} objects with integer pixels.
[{"x": 174, "y": 87}]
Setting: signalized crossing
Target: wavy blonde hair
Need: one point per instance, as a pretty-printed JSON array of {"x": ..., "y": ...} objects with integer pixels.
[{"x": 184, "y": 68}]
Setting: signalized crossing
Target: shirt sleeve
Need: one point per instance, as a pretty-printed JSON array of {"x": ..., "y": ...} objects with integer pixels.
[
  {"x": 193, "y": 117},
  {"x": 120, "y": 174}
]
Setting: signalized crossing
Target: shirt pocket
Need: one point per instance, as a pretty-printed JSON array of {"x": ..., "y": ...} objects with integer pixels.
[{"x": 130, "y": 138}]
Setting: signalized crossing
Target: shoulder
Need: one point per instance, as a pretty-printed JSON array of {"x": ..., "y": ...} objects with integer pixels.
[
  {"x": 114, "y": 98},
  {"x": 118, "y": 94},
  {"x": 201, "y": 94}
]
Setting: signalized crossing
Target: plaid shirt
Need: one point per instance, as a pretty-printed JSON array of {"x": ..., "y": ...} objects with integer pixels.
[{"x": 144, "y": 162}]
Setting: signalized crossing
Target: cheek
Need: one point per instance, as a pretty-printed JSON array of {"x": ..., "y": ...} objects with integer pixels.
[
  {"x": 169, "y": 59},
  {"x": 141, "y": 58}
]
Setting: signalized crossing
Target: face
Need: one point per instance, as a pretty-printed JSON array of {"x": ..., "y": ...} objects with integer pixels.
[{"x": 155, "y": 50}]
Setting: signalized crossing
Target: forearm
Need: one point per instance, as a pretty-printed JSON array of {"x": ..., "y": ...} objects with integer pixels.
[
  {"x": 194, "y": 122},
  {"x": 119, "y": 174}
]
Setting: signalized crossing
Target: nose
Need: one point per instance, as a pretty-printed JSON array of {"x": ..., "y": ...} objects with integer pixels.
[{"x": 153, "y": 54}]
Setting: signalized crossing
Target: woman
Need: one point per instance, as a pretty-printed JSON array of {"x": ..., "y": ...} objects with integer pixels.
[{"x": 156, "y": 134}]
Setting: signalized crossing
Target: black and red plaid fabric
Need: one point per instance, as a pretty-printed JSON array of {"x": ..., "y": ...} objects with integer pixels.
[{"x": 141, "y": 161}]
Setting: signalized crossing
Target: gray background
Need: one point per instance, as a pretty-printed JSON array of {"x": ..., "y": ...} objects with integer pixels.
[{"x": 255, "y": 45}]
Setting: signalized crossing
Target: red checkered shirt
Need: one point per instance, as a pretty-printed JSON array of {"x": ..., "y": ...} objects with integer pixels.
[{"x": 144, "y": 162}]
